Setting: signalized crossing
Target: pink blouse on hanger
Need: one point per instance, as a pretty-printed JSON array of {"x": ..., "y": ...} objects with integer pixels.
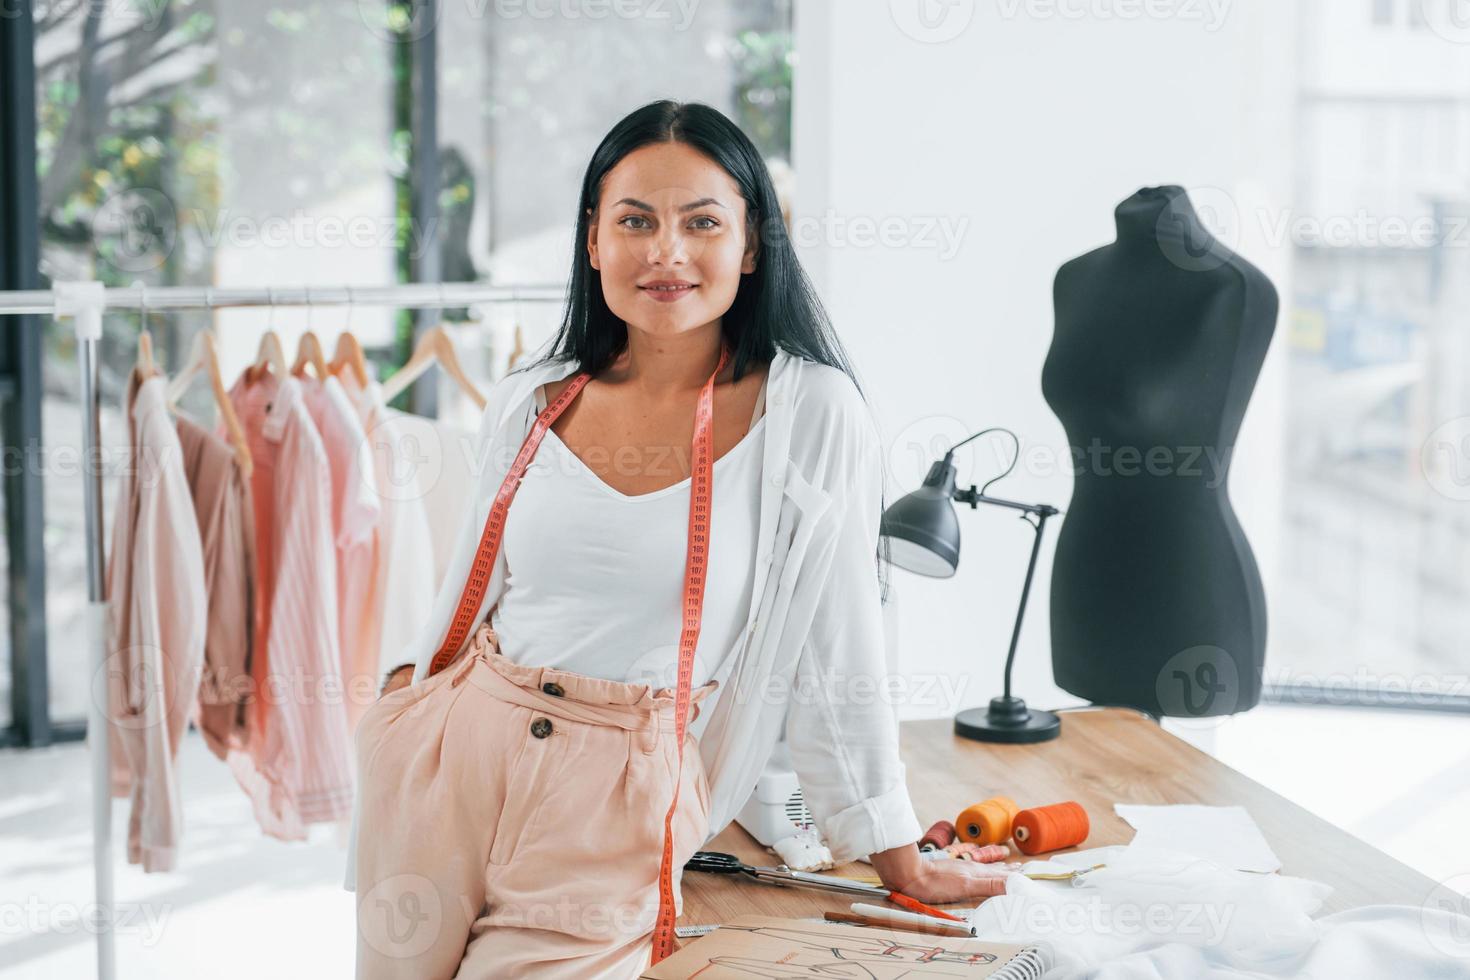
[
  {"x": 299, "y": 768},
  {"x": 356, "y": 514}
]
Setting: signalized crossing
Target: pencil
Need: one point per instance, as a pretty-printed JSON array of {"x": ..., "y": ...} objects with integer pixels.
[
  {"x": 918, "y": 907},
  {"x": 883, "y": 918},
  {"x": 938, "y": 929}
]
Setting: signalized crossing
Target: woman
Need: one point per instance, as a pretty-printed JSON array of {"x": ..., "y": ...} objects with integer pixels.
[{"x": 516, "y": 825}]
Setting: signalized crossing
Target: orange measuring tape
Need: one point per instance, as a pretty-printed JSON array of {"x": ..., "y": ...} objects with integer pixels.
[{"x": 696, "y": 561}]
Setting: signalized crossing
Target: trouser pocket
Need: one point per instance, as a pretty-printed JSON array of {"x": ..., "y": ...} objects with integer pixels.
[
  {"x": 429, "y": 794},
  {"x": 536, "y": 749}
]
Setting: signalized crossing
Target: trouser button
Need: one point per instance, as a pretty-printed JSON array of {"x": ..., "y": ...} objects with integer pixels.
[
  {"x": 553, "y": 689},
  {"x": 541, "y": 727}
]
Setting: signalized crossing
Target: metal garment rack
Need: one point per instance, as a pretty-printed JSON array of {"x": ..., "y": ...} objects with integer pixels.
[{"x": 85, "y": 303}]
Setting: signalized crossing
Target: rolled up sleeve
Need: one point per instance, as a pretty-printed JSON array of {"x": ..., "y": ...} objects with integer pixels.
[{"x": 842, "y": 725}]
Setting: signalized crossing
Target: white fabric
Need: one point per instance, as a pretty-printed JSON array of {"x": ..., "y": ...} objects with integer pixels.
[
  {"x": 595, "y": 577},
  {"x": 803, "y": 851},
  {"x": 442, "y": 456},
  {"x": 1153, "y": 914},
  {"x": 814, "y": 640},
  {"x": 405, "y": 572}
]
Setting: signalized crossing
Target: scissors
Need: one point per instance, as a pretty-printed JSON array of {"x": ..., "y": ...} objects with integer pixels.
[{"x": 720, "y": 863}]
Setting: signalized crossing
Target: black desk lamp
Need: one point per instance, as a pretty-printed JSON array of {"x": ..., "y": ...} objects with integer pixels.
[{"x": 924, "y": 537}]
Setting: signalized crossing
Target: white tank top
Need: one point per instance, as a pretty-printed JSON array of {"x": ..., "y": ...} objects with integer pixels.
[{"x": 595, "y": 577}]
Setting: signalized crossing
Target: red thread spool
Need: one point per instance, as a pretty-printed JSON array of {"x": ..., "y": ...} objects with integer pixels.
[
  {"x": 1050, "y": 828},
  {"x": 937, "y": 837}
]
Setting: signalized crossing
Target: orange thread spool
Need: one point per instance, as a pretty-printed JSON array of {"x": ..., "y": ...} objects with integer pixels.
[
  {"x": 937, "y": 837},
  {"x": 987, "y": 822},
  {"x": 1050, "y": 828}
]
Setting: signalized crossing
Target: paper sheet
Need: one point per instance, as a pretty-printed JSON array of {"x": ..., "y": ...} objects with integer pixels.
[
  {"x": 1225, "y": 835},
  {"x": 766, "y": 946}
]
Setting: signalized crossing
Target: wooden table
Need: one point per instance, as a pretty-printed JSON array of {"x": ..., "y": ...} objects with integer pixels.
[{"x": 1104, "y": 756}]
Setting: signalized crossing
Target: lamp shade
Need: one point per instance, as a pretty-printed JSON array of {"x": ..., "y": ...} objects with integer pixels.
[
  {"x": 922, "y": 528},
  {"x": 923, "y": 535}
]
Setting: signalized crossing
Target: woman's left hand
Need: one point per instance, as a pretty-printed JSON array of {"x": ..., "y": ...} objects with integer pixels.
[
  {"x": 943, "y": 880},
  {"x": 938, "y": 880}
]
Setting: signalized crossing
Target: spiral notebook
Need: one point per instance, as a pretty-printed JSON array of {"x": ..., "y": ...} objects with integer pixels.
[{"x": 770, "y": 947}]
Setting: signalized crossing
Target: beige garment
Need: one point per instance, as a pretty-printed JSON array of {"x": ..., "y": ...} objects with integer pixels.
[
  {"x": 156, "y": 617},
  {"x": 225, "y": 512}
]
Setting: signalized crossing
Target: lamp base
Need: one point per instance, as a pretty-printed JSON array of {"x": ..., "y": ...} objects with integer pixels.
[{"x": 1007, "y": 720}]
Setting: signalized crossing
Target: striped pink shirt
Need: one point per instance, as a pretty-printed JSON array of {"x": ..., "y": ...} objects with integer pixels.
[{"x": 298, "y": 768}]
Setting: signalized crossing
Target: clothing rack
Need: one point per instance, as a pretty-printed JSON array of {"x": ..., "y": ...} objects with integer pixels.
[{"x": 85, "y": 302}]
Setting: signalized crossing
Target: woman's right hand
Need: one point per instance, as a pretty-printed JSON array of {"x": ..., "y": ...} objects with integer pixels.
[{"x": 397, "y": 678}]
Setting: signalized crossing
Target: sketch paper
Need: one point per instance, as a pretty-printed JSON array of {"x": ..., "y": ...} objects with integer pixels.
[{"x": 771, "y": 947}]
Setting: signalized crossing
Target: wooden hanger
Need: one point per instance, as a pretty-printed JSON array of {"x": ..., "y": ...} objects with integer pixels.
[
  {"x": 203, "y": 357},
  {"x": 309, "y": 351},
  {"x": 269, "y": 355},
  {"x": 434, "y": 345},
  {"x": 309, "y": 348},
  {"x": 144, "y": 365},
  {"x": 518, "y": 350},
  {"x": 348, "y": 357}
]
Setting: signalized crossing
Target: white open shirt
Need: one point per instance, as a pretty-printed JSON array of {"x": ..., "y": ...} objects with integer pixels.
[{"x": 814, "y": 640}]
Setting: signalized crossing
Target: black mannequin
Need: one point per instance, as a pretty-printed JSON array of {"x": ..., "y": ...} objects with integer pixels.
[{"x": 1156, "y": 601}]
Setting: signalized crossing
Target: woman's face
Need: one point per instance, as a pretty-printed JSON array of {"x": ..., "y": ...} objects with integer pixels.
[{"x": 669, "y": 239}]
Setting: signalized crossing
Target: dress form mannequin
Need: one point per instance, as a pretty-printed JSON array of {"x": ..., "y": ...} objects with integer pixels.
[{"x": 1156, "y": 600}]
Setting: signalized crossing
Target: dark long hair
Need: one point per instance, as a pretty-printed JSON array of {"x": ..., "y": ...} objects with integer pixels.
[{"x": 774, "y": 306}]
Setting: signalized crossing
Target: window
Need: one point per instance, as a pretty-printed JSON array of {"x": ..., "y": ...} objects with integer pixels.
[
  {"x": 194, "y": 143},
  {"x": 523, "y": 102},
  {"x": 1376, "y": 527}
]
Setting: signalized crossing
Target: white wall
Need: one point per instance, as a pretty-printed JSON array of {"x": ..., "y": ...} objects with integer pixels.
[{"x": 1019, "y": 134}]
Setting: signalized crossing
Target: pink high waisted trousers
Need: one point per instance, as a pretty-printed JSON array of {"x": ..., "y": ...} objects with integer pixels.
[{"x": 532, "y": 848}]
